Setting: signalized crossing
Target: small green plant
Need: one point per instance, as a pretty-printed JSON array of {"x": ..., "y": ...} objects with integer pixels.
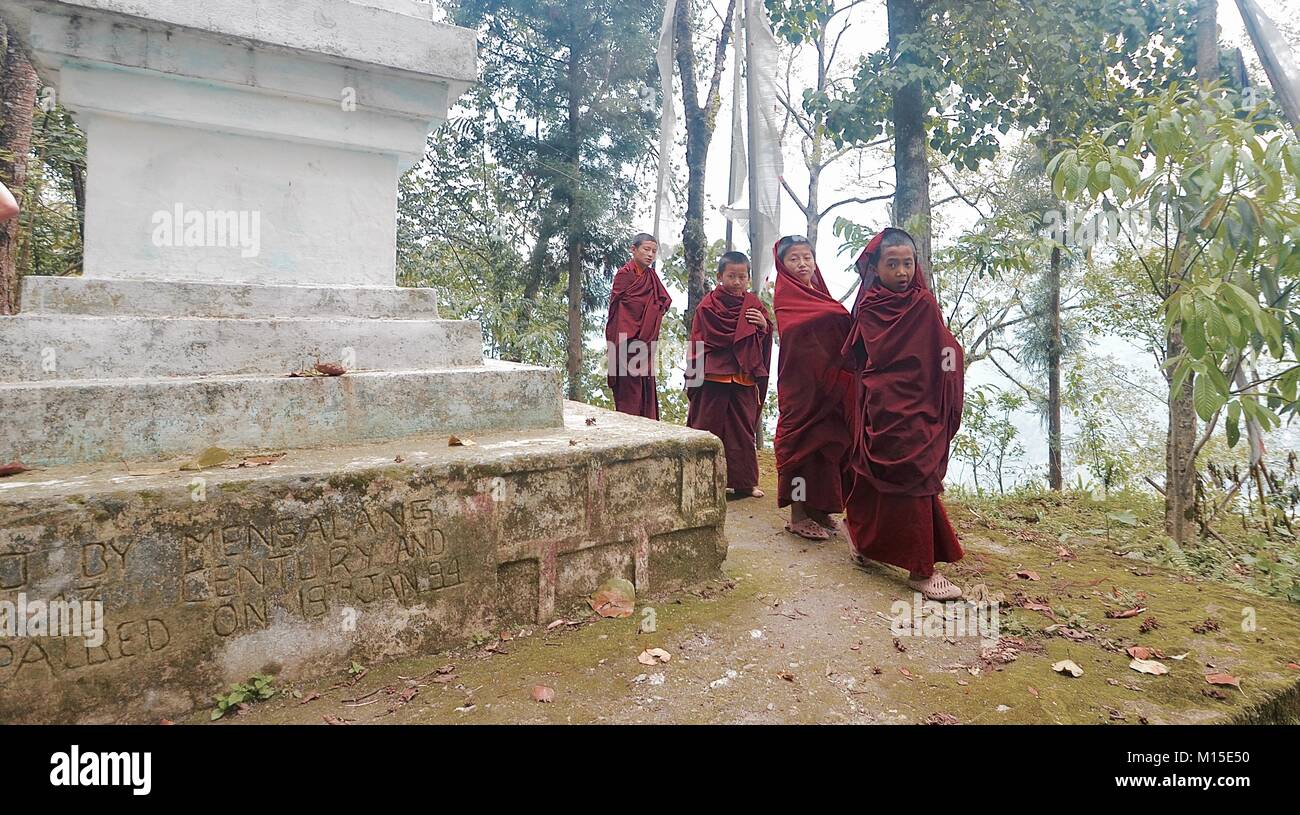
[
  {"x": 356, "y": 668},
  {"x": 257, "y": 689}
]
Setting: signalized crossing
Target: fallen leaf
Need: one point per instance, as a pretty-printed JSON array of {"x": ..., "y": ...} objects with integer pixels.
[
  {"x": 1067, "y": 666},
  {"x": 555, "y": 624},
  {"x": 1073, "y": 634},
  {"x": 541, "y": 693},
  {"x": 1224, "y": 679},
  {"x": 311, "y": 697},
  {"x": 1064, "y": 553},
  {"x": 1148, "y": 666},
  {"x": 906, "y": 673},
  {"x": 456, "y": 441},
  {"x": 1293, "y": 666},
  {"x": 330, "y": 369},
  {"x": 210, "y": 457},
  {"x": 334, "y": 720},
  {"x": 941, "y": 718},
  {"x": 166, "y": 721},
  {"x": 1181, "y": 657},
  {"x": 786, "y": 675},
  {"x": 1033, "y": 691},
  {"x": 258, "y": 461},
  {"x": 653, "y": 656},
  {"x": 1026, "y": 574},
  {"x": 616, "y": 598},
  {"x": 590, "y": 421},
  {"x": 1125, "y": 614},
  {"x": 1143, "y": 652}
]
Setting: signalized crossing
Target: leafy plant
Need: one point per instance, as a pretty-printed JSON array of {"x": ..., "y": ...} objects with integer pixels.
[{"x": 257, "y": 689}]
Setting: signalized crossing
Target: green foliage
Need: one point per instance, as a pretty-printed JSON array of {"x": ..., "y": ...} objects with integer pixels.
[
  {"x": 987, "y": 440},
  {"x": 257, "y": 689},
  {"x": 50, "y": 224},
  {"x": 1216, "y": 182},
  {"x": 990, "y": 66}
]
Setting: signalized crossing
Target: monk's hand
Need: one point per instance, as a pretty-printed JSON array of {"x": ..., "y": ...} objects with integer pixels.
[{"x": 755, "y": 317}]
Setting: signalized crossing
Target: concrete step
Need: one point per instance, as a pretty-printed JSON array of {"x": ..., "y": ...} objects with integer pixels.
[
  {"x": 110, "y": 298},
  {"x": 42, "y": 347},
  {"x": 340, "y": 553},
  {"x": 70, "y": 421}
]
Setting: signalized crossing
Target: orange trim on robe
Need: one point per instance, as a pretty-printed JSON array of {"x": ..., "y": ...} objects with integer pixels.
[{"x": 735, "y": 379}]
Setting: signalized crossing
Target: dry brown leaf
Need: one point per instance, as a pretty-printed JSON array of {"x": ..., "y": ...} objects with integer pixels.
[
  {"x": 541, "y": 693},
  {"x": 456, "y": 441},
  {"x": 1224, "y": 679},
  {"x": 1125, "y": 614},
  {"x": 1026, "y": 574},
  {"x": 1067, "y": 666},
  {"x": 616, "y": 598},
  {"x": 330, "y": 369},
  {"x": 653, "y": 656},
  {"x": 1148, "y": 666}
]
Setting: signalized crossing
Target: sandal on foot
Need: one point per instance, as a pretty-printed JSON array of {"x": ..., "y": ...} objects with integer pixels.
[
  {"x": 807, "y": 528},
  {"x": 936, "y": 587}
]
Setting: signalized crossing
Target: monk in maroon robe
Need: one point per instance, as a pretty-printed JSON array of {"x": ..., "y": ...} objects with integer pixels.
[
  {"x": 814, "y": 392},
  {"x": 910, "y": 396},
  {"x": 727, "y": 370},
  {"x": 637, "y": 307}
]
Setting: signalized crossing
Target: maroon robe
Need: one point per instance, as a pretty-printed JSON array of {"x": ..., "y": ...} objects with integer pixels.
[
  {"x": 637, "y": 306},
  {"x": 910, "y": 396},
  {"x": 814, "y": 391},
  {"x": 725, "y": 345}
]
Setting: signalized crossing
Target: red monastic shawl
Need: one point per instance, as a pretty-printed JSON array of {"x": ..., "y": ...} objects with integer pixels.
[
  {"x": 813, "y": 384},
  {"x": 729, "y": 342},
  {"x": 911, "y": 388},
  {"x": 637, "y": 305}
]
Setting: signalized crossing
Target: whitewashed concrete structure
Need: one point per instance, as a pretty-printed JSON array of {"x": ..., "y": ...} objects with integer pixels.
[{"x": 243, "y": 162}]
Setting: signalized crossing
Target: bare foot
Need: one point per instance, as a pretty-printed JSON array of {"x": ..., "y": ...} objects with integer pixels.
[
  {"x": 752, "y": 492},
  {"x": 807, "y": 528},
  {"x": 934, "y": 587}
]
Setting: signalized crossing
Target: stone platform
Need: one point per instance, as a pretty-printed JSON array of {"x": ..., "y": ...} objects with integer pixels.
[{"x": 328, "y": 555}]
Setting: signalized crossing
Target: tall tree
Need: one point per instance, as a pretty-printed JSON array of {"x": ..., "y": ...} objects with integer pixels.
[
  {"x": 562, "y": 85},
  {"x": 18, "y": 85},
  {"x": 701, "y": 120},
  {"x": 819, "y": 26}
]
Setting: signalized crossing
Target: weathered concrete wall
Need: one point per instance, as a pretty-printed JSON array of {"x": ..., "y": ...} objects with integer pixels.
[{"x": 327, "y": 556}]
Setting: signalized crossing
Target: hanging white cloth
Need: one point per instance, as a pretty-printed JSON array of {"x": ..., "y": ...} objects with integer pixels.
[
  {"x": 764, "y": 148},
  {"x": 667, "y": 121}
]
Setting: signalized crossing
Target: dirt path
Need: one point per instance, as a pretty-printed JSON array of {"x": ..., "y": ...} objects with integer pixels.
[{"x": 796, "y": 634}]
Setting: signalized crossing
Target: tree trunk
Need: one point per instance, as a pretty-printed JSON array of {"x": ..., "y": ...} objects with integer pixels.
[
  {"x": 1180, "y": 438},
  {"x": 817, "y": 150},
  {"x": 1054, "y": 478},
  {"x": 1180, "y": 466},
  {"x": 701, "y": 120},
  {"x": 911, "y": 166},
  {"x": 698, "y": 134},
  {"x": 18, "y": 84},
  {"x": 574, "y": 367}
]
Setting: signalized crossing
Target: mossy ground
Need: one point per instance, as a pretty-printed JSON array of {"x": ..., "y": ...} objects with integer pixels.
[{"x": 795, "y": 633}]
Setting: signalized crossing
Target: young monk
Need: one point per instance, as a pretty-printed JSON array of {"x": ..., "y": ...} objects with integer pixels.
[
  {"x": 727, "y": 370},
  {"x": 637, "y": 307},
  {"x": 814, "y": 392},
  {"x": 910, "y": 395}
]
